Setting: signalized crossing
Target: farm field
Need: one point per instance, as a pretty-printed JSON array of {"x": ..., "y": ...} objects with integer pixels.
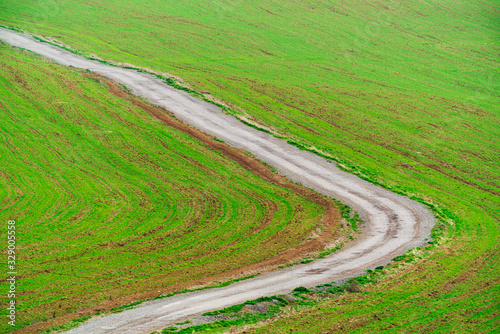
[
  {"x": 404, "y": 94},
  {"x": 110, "y": 204}
]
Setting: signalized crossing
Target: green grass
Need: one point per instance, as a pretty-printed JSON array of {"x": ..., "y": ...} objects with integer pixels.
[
  {"x": 110, "y": 202},
  {"x": 404, "y": 94}
]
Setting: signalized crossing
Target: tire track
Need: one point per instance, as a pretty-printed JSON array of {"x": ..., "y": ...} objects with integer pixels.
[{"x": 394, "y": 224}]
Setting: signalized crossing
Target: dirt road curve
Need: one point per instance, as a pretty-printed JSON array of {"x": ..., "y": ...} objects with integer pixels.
[{"x": 394, "y": 225}]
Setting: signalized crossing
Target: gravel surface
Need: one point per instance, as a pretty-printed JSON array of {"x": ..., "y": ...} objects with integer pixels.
[{"x": 394, "y": 224}]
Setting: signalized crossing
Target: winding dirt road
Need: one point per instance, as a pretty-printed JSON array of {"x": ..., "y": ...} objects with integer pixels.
[{"x": 394, "y": 224}]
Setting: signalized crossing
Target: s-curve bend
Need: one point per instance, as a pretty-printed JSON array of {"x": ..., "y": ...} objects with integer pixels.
[{"x": 393, "y": 224}]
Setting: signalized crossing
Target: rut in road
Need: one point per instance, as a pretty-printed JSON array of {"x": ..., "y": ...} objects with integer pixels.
[{"x": 393, "y": 223}]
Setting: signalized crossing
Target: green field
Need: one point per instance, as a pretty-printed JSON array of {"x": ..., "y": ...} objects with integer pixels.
[
  {"x": 403, "y": 93},
  {"x": 109, "y": 202}
]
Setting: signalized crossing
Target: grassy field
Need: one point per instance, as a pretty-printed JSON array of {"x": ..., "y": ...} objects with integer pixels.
[
  {"x": 109, "y": 202},
  {"x": 404, "y": 93}
]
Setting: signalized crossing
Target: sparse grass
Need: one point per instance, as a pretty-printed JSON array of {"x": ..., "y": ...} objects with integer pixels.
[
  {"x": 132, "y": 305},
  {"x": 74, "y": 323},
  {"x": 109, "y": 202},
  {"x": 403, "y": 94}
]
